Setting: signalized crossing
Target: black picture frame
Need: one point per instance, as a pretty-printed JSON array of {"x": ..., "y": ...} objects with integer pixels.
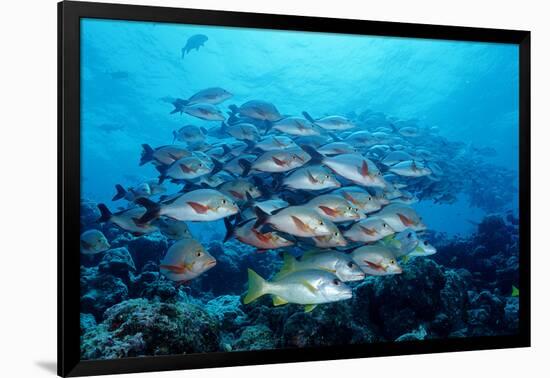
[{"x": 69, "y": 15}]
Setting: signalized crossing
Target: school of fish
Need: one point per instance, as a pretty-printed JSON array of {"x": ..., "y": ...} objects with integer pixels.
[{"x": 331, "y": 195}]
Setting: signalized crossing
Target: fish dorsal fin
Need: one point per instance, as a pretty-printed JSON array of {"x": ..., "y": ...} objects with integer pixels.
[
  {"x": 309, "y": 307},
  {"x": 278, "y": 301},
  {"x": 309, "y": 286},
  {"x": 289, "y": 265}
]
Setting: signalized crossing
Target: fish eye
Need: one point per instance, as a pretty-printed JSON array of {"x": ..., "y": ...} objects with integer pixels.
[
  {"x": 384, "y": 225},
  {"x": 409, "y": 235},
  {"x": 321, "y": 223},
  {"x": 200, "y": 164},
  {"x": 350, "y": 265},
  {"x": 199, "y": 253},
  {"x": 336, "y": 281},
  {"x": 426, "y": 242},
  {"x": 327, "y": 176},
  {"x": 336, "y": 233},
  {"x": 349, "y": 208},
  {"x": 369, "y": 198},
  {"x": 392, "y": 261},
  {"x": 224, "y": 201}
]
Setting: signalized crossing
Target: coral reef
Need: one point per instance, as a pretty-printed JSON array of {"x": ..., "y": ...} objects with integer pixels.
[{"x": 129, "y": 309}]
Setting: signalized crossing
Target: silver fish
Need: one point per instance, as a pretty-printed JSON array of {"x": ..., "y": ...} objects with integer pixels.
[
  {"x": 337, "y": 263},
  {"x": 208, "y": 112},
  {"x": 305, "y": 287}
]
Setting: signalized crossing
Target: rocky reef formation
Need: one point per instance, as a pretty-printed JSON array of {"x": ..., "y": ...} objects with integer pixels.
[{"x": 128, "y": 309}]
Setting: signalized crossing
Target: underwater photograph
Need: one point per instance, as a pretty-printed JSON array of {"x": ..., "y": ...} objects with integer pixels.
[{"x": 254, "y": 189}]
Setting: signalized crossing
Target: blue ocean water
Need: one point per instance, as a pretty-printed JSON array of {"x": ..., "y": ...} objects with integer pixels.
[
  {"x": 459, "y": 102},
  {"x": 469, "y": 91}
]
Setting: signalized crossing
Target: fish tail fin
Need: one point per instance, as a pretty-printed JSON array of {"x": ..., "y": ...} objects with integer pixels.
[
  {"x": 120, "y": 192},
  {"x": 335, "y": 137},
  {"x": 162, "y": 173},
  {"x": 174, "y": 133},
  {"x": 289, "y": 265},
  {"x": 229, "y": 229},
  {"x": 277, "y": 182},
  {"x": 251, "y": 145},
  {"x": 105, "y": 213},
  {"x": 183, "y": 51},
  {"x": 226, "y": 150},
  {"x": 316, "y": 156},
  {"x": 234, "y": 109},
  {"x": 268, "y": 125},
  {"x": 146, "y": 154},
  {"x": 246, "y": 166},
  {"x": 218, "y": 166},
  {"x": 262, "y": 217},
  {"x": 176, "y": 109},
  {"x": 223, "y": 127},
  {"x": 308, "y": 117},
  {"x": 153, "y": 210},
  {"x": 256, "y": 287},
  {"x": 204, "y": 130}
]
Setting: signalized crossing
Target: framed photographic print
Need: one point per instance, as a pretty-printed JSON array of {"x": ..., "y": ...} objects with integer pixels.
[{"x": 239, "y": 188}]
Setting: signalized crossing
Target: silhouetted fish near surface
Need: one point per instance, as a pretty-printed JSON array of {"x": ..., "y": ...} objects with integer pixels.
[{"x": 194, "y": 42}]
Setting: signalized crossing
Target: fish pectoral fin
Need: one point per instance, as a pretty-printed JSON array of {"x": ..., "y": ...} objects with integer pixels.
[
  {"x": 279, "y": 162},
  {"x": 199, "y": 208},
  {"x": 374, "y": 266},
  {"x": 185, "y": 168},
  {"x": 177, "y": 269},
  {"x": 311, "y": 179},
  {"x": 310, "y": 287},
  {"x": 406, "y": 221},
  {"x": 264, "y": 238},
  {"x": 368, "y": 231},
  {"x": 236, "y": 194},
  {"x": 309, "y": 307},
  {"x": 301, "y": 225},
  {"x": 349, "y": 197},
  {"x": 364, "y": 169},
  {"x": 329, "y": 211},
  {"x": 278, "y": 301}
]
